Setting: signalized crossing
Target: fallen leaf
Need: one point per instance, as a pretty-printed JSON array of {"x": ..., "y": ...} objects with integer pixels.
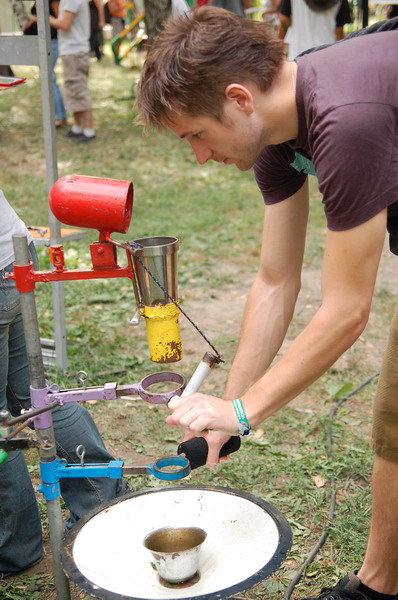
[{"x": 319, "y": 481}]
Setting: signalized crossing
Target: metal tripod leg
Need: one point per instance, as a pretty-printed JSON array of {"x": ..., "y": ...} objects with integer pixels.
[{"x": 38, "y": 381}]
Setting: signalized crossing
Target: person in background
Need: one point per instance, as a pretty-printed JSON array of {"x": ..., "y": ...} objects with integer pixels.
[
  {"x": 311, "y": 23},
  {"x": 236, "y": 6},
  {"x": 30, "y": 28},
  {"x": 73, "y": 24},
  {"x": 271, "y": 14},
  {"x": 21, "y": 541},
  {"x": 96, "y": 37},
  {"x": 116, "y": 9}
]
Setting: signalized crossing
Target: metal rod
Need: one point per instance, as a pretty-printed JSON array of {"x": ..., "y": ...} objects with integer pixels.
[
  {"x": 56, "y": 527},
  {"x": 16, "y": 431},
  {"x": 200, "y": 374},
  {"x": 29, "y": 416},
  {"x": 38, "y": 381},
  {"x": 50, "y": 148},
  {"x": 30, "y": 321}
]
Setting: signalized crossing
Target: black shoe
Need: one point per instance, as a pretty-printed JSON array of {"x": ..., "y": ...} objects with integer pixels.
[
  {"x": 72, "y": 135},
  {"x": 345, "y": 589},
  {"x": 86, "y": 138}
]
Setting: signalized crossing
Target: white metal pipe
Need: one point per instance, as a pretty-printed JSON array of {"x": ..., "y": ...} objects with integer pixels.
[{"x": 199, "y": 375}]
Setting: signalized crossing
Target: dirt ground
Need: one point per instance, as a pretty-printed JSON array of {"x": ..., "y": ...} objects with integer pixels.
[{"x": 218, "y": 313}]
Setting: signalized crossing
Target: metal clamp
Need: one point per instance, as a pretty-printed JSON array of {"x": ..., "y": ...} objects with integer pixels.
[{"x": 168, "y": 468}]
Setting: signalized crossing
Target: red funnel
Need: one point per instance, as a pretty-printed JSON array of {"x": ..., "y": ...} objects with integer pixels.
[{"x": 94, "y": 202}]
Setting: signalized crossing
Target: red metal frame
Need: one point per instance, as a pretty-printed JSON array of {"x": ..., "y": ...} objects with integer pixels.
[
  {"x": 104, "y": 261},
  {"x": 95, "y": 202}
]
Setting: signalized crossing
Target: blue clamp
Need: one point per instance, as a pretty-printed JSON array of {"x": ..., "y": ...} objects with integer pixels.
[
  {"x": 168, "y": 469},
  {"x": 51, "y": 472}
]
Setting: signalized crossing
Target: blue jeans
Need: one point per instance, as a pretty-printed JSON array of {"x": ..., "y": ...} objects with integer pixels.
[
  {"x": 20, "y": 527},
  {"x": 59, "y": 106}
]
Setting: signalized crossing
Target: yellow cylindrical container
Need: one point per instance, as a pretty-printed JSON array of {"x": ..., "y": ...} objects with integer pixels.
[{"x": 163, "y": 332}]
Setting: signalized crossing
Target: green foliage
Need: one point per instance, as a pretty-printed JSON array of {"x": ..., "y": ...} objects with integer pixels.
[{"x": 34, "y": 587}]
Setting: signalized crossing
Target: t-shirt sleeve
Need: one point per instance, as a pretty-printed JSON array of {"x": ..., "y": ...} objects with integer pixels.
[
  {"x": 356, "y": 184},
  {"x": 72, "y": 5},
  {"x": 275, "y": 176}
]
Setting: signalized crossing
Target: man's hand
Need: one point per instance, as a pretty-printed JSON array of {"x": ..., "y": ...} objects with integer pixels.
[
  {"x": 215, "y": 441},
  {"x": 29, "y": 22},
  {"x": 200, "y": 412}
]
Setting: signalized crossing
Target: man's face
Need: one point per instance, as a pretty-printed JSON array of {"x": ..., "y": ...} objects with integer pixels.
[{"x": 237, "y": 139}]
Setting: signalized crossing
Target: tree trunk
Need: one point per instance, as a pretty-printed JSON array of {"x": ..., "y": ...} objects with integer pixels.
[
  {"x": 156, "y": 11},
  {"x": 20, "y": 12}
]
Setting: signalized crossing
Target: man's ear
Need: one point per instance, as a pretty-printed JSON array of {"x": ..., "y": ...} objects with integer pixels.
[{"x": 235, "y": 92}]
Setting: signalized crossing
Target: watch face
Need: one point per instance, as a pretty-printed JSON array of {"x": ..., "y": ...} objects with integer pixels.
[{"x": 244, "y": 428}]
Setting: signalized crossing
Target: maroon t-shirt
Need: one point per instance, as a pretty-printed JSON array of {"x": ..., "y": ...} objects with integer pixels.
[{"x": 347, "y": 101}]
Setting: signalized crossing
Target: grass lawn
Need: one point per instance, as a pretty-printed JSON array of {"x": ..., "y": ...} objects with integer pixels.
[{"x": 216, "y": 212}]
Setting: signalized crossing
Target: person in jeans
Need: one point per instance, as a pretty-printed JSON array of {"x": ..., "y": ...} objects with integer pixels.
[
  {"x": 21, "y": 543},
  {"x": 74, "y": 25},
  {"x": 222, "y": 84}
]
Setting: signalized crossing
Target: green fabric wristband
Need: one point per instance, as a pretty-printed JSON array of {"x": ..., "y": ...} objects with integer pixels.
[{"x": 244, "y": 427}]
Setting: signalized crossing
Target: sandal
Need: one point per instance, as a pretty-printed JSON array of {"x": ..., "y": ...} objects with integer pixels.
[{"x": 60, "y": 122}]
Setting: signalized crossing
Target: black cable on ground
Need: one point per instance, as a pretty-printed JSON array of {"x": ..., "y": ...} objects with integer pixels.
[{"x": 332, "y": 504}]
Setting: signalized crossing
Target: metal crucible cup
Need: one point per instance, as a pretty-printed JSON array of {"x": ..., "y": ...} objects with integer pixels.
[
  {"x": 158, "y": 256},
  {"x": 176, "y": 552}
]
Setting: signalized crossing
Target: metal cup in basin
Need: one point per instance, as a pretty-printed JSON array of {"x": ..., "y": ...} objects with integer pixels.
[{"x": 176, "y": 551}]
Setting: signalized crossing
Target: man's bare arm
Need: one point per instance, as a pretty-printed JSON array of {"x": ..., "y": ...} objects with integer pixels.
[
  {"x": 273, "y": 295},
  {"x": 350, "y": 265},
  {"x": 349, "y": 272},
  {"x": 64, "y": 22}
]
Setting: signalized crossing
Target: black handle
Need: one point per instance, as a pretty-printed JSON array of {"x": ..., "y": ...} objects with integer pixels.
[{"x": 196, "y": 449}]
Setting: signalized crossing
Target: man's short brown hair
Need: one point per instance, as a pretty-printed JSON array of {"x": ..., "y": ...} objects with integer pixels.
[{"x": 197, "y": 56}]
